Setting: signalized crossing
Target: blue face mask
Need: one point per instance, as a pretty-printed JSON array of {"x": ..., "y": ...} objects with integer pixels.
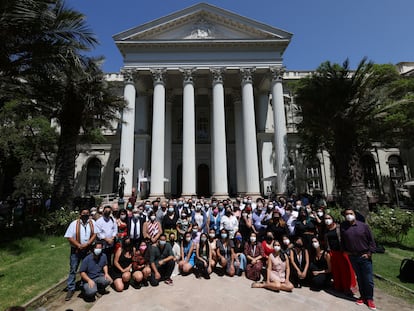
[{"x": 239, "y": 238}]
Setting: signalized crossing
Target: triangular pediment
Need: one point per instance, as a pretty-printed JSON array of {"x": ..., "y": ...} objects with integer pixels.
[{"x": 202, "y": 22}]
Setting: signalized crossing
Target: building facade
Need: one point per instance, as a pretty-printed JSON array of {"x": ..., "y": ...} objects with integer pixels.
[{"x": 209, "y": 112}]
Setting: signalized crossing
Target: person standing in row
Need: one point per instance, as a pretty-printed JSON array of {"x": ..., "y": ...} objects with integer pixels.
[{"x": 357, "y": 240}]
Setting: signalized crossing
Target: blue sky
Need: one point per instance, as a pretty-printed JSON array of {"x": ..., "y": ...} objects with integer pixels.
[{"x": 382, "y": 30}]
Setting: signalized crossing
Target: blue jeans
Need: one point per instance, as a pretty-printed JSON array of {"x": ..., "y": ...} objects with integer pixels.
[
  {"x": 363, "y": 270},
  {"x": 100, "y": 284},
  {"x": 74, "y": 261},
  {"x": 243, "y": 263}
]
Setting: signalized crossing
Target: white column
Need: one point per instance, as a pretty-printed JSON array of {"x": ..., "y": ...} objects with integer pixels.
[
  {"x": 249, "y": 131},
  {"x": 189, "y": 174},
  {"x": 219, "y": 153},
  {"x": 168, "y": 142},
  {"x": 280, "y": 136},
  {"x": 158, "y": 134},
  {"x": 127, "y": 134},
  {"x": 239, "y": 137}
]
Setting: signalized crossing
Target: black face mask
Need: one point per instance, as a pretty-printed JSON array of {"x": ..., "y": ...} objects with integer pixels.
[
  {"x": 107, "y": 214},
  {"x": 269, "y": 239},
  {"x": 298, "y": 245},
  {"x": 84, "y": 218}
]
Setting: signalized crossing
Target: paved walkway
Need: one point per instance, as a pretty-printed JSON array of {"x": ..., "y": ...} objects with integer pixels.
[{"x": 221, "y": 293}]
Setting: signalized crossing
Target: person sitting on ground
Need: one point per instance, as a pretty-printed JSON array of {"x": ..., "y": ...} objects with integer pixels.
[
  {"x": 187, "y": 255},
  {"x": 161, "y": 261},
  {"x": 121, "y": 269},
  {"x": 212, "y": 241},
  {"x": 240, "y": 260},
  {"x": 254, "y": 254},
  {"x": 320, "y": 266},
  {"x": 277, "y": 271},
  {"x": 141, "y": 269},
  {"x": 225, "y": 252},
  {"x": 287, "y": 245},
  {"x": 195, "y": 233},
  {"x": 299, "y": 258},
  {"x": 94, "y": 273},
  {"x": 203, "y": 257}
]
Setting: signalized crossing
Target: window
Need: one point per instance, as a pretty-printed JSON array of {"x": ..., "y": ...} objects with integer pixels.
[
  {"x": 396, "y": 169},
  {"x": 370, "y": 172},
  {"x": 203, "y": 129},
  {"x": 93, "y": 176},
  {"x": 314, "y": 177}
]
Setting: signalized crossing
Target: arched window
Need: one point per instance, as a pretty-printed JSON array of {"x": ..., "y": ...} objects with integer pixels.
[
  {"x": 396, "y": 169},
  {"x": 314, "y": 177},
  {"x": 93, "y": 176},
  {"x": 370, "y": 172}
]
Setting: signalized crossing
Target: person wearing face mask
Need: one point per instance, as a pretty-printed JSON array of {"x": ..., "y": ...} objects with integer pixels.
[
  {"x": 277, "y": 226},
  {"x": 277, "y": 272},
  {"x": 94, "y": 273},
  {"x": 229, "y": 222},
  {"x": 176, "y": 251},
  {"x": 342, "y": 272},
  {"x": 107, "y": 229},
  {"x": 299, "y": 258},
  {"x": 135, "y": 227},
  {"x": 225, "y": 252},
  {"x": 254, "y": 255},
  {"x": 357, "y": 240},
  {"x": 246, "y": 223},
  {"x": 212, "y": 241},
  {"x": 257, "y": 218},
  {"x": 203, "y": 257},
  {"x": 121, "y": 270},
  {"x": 188, "y": 254},
  {"x": 80, "y": 234},
  {"x": 162, "y": 211},
  {"x": 152, "y": 229},
  {"x": 162, "y": 262},
  {"x": 183, "y": 225},
  {"x": 214, "y": 220},
  {"x": 169, "y": 222},
  {"x": 305, "y": 227},
  {"x": 319, "y": 267},
  {"x": 141, "y": 269},
  {"x": 286, "y": 245},
  {"x": 200, "y": 217},
  {"x": 240, "y": 260},
  {"x": 122, "y": 222}
]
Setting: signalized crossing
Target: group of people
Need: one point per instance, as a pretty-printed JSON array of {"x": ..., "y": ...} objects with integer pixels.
[{"x": 279, "y": 245}]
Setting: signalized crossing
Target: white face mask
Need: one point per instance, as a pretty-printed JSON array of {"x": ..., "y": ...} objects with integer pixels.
[
  {"x": 277, "y": 248},
  {"x": 350, "y": 217},
  {"x": 328, "y": 221},
  {"x": 212, "y": 235},
  {"x": 320, "y": 214},
  {"x": 97, "y": 251},
  {"x": 315, "y": 244},
  {"x": 188, "y": 239},
  {"x": 286, "y": 242},
  {"x": 252, "y": 239},
  {"x": 152, "y": 218}
]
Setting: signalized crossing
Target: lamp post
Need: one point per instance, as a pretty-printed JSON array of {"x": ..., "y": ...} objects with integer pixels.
[{"x": 122, "y": 171}]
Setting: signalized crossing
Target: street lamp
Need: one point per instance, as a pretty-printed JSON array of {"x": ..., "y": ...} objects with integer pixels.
[{"x": 123, "y": 171}]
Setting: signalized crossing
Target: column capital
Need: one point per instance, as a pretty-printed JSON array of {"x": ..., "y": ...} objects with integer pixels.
[
  {"x": 158, "y": 75},
  {"x": 188, "y": 74},
  {"x": 247, "y": 74},
  {"x": 277, "y": 73},
  {"x": 217, "y": 73},
  {"x": 129, "y": 75}
]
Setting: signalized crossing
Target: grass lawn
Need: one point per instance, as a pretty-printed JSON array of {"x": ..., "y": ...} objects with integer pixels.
[
  {"x": 29, "y": 266},
  {"x": 388, "y": 264}
]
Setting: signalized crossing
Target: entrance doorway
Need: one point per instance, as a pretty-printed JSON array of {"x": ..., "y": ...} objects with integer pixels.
[{"x": 203, "y": 180}]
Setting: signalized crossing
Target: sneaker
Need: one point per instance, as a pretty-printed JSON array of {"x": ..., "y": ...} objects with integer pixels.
[
  {"x": 169, "y": 282},
  {"x": 69, "y": 295},
  {"x": 360, "y": 302},
  {"x": 371, "y": 304}
]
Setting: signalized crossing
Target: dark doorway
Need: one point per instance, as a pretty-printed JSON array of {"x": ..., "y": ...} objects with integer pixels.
[
  {"x": 179, "y": 179},
  {"x": 203, "y": 180}
]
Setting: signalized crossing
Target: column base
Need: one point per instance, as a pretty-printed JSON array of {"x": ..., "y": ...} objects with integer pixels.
[
  {"x": 184, "y": 195},
  {"x": 154, "y": 196},
  {"x": 253, "y": 195}
]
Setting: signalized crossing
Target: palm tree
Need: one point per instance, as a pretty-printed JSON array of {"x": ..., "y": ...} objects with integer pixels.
[{"x": 342, "y": 111}]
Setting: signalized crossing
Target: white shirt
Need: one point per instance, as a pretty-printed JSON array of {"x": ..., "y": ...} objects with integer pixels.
[
  {"x": 133, "y": 224},
  {"x": 85, "y": 231},
  {"x": 106, "y": 228}
]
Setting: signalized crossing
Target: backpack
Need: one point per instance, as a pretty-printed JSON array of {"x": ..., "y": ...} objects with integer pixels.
[{"x": 407, "y": 270}]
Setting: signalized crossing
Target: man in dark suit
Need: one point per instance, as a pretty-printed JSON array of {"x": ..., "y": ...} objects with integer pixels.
[{"x": 134, "y": 227}]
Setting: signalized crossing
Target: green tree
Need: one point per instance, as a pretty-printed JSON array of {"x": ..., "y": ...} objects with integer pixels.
[{"x": 343, "y": 112}]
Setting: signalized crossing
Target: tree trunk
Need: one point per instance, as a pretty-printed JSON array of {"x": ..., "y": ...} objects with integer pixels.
[{"x": 350, "y": 178}]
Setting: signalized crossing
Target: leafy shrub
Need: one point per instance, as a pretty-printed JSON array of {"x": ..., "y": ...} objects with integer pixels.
[
  {"x": 336, "y": 213},
  {"x": 57, "y": 221},
  {"x": 391, "y": 224}
]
